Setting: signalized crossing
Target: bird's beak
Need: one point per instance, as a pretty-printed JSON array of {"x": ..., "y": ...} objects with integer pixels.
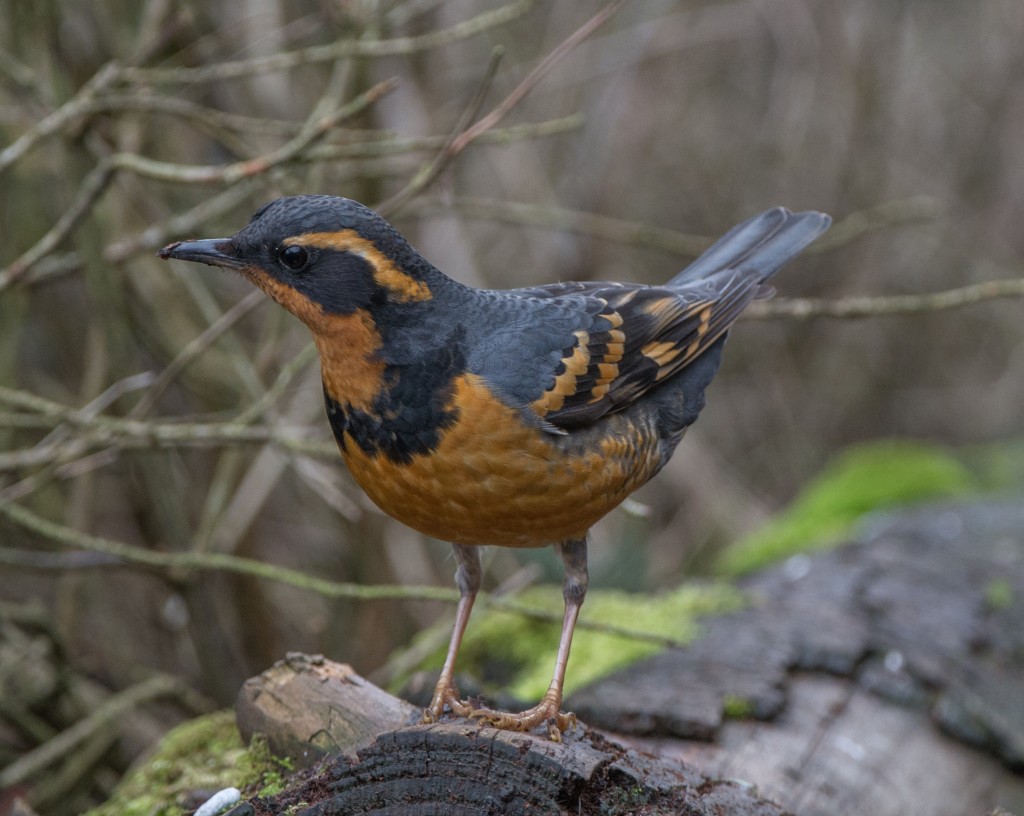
[{"x": 211, "y": 251}]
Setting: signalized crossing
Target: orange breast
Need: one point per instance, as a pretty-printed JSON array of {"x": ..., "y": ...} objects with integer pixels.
[{"x": 494, "y": 480}]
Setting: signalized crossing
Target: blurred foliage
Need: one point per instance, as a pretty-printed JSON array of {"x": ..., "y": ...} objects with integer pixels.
[
  {"x": 204, "y": 754},
  {"x": 999, "y": 594},
  {"x": 874, "y": 476},
  {"x": 125, "y": 125},
  {"x": 513, "y": 656}
]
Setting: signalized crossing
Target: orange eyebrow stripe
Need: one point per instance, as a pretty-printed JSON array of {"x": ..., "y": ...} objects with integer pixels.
[{"x": 402, "y": 286}]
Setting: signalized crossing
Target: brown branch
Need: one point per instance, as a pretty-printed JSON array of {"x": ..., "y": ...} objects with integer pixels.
[
  {"x": 563, "y": 219},
  {"x": 390, "y": 146},
  {"x": 899, "y": 211}
]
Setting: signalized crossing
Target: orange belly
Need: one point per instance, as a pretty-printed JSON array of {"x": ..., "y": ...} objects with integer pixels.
[{"x": 494, "y": 480}]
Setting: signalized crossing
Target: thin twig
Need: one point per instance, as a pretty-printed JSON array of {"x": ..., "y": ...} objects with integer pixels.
[
  {"x": 185, "y": 109},
  {"x": 73, "y": 108},
  {"x": 52, "y": 267},
  {"x": 156, "y": 235},
  {"x": 464, "y": 136},
  {"x": 330, "y": 53},
  {"x": 109, "y": 711},
  {"x": 432, "y": 170},
  {"x": 101, "y": 431},
  {"x": 92, "y": 187},
  {"x": 100, "y": 176},
  {"x": 194, "y": 349},
  {"x": 223, "y": 562},
  {"x": 535, "y": 76},
  {"x": 561, "y": 219},
  {"x": 889, "y": 213},
  {"x": 390, "y": 146},
  {"x": 232, "y": 173},
  {"x": 288, "y": 372},
  {"x": 885, "y": 305},
  {"x": 214, "y": 561}
]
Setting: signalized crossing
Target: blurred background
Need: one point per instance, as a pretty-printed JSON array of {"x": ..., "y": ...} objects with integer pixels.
[{"x": 125, "y": 125}]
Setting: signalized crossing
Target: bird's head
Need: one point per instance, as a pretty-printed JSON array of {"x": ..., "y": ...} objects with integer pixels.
[{"x": 318, "y": 256}]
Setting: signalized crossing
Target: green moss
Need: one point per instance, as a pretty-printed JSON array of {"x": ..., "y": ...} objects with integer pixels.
[
  {"x": 1000, "y": 466},
  {"x": 623, "y": 801},
  {"x": 736, "y": 708},
  {"x": 999, "y": 594},
  {"x": 872, "y": 476},
  {"x": 259, "y": 765},
  {"x": 202, "y": 754},
  {"x": 515, "y": 654}
]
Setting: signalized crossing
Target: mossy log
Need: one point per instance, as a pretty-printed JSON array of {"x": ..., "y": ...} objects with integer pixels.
[{"x": 311, "y": 707}]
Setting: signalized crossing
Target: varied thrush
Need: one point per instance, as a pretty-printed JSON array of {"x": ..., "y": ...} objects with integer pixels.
[{"x": 516, "y": 417}]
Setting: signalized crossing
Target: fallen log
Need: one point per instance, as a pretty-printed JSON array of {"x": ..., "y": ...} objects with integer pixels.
[{"x": 363, "y": 758}]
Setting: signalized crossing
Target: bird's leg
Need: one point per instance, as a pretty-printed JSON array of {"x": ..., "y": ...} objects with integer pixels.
[
  {"x": 574, "y": 590},
  {"x": 467, "y": 578}
]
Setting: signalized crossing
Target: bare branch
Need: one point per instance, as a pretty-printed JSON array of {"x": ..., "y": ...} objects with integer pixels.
[
  {"x": 886, "y": 214},
  {"x": 195, "y": 348},
  {"x": 232, "y": 173},
  {"x": 885, "y": 305},
  {"x": 330, "y": 53},
  {"x": 73, "y": 108},
  {"x": 109, "y": 711},
  {"x": 427, "y": 175},
  {"x": 535, "y": 76},
  {"x": 89, "y": 192},
  {"x": 223, "y": 562}
]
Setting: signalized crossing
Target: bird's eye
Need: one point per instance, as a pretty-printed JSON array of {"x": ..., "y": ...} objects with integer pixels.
[{"x": 294, "y": 257}]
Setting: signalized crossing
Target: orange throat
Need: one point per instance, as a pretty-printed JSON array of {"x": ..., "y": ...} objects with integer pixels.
[{"x": 348, "y": 344}]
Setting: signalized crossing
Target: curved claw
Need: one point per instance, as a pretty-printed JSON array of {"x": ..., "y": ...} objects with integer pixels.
[
  {"x": 545, "y": 712},
  {"x": 446, "y": 695}
]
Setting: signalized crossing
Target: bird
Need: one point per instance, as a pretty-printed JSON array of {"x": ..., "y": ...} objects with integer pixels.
[{"x": 516, "y": 417}]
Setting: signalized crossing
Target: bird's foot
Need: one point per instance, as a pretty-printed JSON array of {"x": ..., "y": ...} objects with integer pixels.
[
  {"x": 546, "y": 712},
  {"x": 446, "y": 694}
]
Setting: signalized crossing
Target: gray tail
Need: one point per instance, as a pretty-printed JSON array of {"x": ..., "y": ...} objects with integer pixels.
[{"x": 757, "y": 248}]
